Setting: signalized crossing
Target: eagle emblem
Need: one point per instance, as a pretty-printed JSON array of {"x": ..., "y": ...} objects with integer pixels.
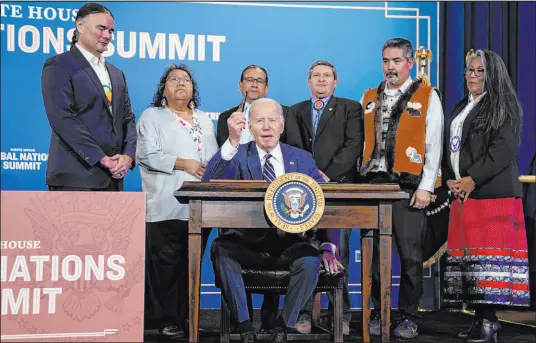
[
  {"x": 88, "y": 224},
  {"x": 294, "y": 202}
]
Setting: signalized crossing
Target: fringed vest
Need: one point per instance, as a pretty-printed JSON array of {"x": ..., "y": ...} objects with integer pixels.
[{"x": 405, "y": 143}]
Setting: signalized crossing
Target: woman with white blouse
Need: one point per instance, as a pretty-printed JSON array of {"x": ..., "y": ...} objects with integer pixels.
[
  {"x": 175, "y": 141},
  {"x": 487, "y": 266}
]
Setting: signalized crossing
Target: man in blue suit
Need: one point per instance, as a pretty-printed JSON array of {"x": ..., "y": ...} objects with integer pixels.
[
  {"x": 266, "y": 158},
  {"x": 86, "y": 99}
]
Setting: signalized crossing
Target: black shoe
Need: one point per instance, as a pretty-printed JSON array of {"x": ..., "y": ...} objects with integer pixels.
[
  {"x": 472, "y": 329},
  {"x": 486, "y": 332},
  {"x": 265, "y": 331},
  {"x": 172, "y": 331},
  {"x": 248, "y": 337},
  {"x": 406, "y": 329},
  {"x": 279, "y": 334},
  {"x": 375, "y": 326}
]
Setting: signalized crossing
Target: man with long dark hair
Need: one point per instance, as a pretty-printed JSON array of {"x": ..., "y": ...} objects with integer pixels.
[{"x": 86, "y": 99}]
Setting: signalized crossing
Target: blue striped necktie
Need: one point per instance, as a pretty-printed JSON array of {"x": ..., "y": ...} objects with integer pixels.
[{"x": 268, "y": 172}]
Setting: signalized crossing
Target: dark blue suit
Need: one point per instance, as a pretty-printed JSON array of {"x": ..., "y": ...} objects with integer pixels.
[
  {"x": 83, "y": 128},
  {"x": 246, "y": 164},
  {"x": 236, "y": 249}
]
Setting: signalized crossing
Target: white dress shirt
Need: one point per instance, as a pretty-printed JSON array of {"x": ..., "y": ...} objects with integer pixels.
[
  {"x": 456, "y": 129},
  {"x": 434, "y": 134},
  {"x": 228, "y": 152},
  {"x": 99, "y": 66}
]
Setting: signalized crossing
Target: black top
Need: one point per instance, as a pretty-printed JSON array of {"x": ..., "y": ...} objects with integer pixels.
[
  {"x": 339, "y": 136},
  {"x": 489, "y": 158}
]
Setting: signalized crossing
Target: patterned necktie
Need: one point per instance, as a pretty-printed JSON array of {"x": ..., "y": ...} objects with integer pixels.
[
  {"x": 316, "y": 119},
  {"x": 268, "y": 172}
]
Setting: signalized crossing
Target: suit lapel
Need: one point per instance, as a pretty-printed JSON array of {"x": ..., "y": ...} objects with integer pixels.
[
  {"x": 91, "y": 73},
  {"x": 329, "y": 110},
  {"x": 289, "y": 161},
  {"x": 306, "y": 116},
  {"x": 253, "y": 162}
]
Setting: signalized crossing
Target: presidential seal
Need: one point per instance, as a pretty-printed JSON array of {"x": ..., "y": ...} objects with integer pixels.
[{"x": 294, "y": 202}]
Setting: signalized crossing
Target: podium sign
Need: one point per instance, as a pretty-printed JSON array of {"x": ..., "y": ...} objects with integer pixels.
[{"x": 72, "y": 266}]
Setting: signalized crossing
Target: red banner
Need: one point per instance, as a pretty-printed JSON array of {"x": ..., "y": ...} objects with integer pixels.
[{"x": 72, "y": 266}]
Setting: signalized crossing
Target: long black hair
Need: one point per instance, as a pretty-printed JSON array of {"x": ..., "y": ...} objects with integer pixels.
[
  {"x": 84, "y": 11},
  {"x": 500, "y": 103},
  {"x": 159, "y": 95}
]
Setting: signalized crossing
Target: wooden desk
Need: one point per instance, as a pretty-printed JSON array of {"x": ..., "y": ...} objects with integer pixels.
[{"x": 240, "y": 204}]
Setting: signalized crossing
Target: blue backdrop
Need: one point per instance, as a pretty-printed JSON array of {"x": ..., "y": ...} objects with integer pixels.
[{"x": 217, "y": 40}]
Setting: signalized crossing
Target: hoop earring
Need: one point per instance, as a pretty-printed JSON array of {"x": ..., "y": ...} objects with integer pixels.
[{"x": 163, "y": 102}]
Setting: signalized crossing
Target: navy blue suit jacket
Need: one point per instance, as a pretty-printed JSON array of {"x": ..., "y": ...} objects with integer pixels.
[
  {"x": 246, "y": 165},
  {"x": 83, "y": 128}
]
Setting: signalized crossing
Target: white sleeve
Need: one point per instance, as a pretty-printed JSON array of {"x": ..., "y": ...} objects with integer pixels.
[
  {"x": 228, "y": 150},
  {"x": 434, "y": 146}
]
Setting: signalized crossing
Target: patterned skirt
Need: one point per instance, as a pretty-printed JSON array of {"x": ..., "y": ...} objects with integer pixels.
[{"x": 488, "y": 258}]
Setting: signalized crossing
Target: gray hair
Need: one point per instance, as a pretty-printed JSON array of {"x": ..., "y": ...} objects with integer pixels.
[
  {"x": 500, "y": 103},
  {"x": 323, "y": 63},
  {"x": 478, "y": 53},
  {"x": 400, "y": 43},
  {"x": 266, "y": 100}
]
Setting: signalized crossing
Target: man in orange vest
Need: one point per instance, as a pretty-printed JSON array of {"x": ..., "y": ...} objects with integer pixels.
[{"x": 403, "y": 125}]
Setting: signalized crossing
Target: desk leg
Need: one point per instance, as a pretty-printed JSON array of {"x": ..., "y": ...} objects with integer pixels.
[
  {"x": 367, "y": 249},
  {"x": 386, "y": 231},
  {"x": 194, "y": 256}
]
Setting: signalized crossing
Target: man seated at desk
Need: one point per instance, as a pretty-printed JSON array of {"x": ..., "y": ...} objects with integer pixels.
[{"x": 266, "y": 158}]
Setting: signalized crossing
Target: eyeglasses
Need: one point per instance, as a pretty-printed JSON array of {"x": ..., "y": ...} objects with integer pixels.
[
  {"x": 252, "y": 80},
  {"x": 177, "y": 80},
  {"x": 478, "y": 72}
]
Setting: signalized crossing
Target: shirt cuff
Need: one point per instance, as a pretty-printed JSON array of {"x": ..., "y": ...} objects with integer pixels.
[
  {"x": 228, "y": 151},
  {"x": 427, "y": 185},
  {"x": 328, "y": 247}
]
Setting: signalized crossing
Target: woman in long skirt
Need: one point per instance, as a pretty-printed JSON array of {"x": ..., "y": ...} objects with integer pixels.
[{"x": 487, "y": 266}]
